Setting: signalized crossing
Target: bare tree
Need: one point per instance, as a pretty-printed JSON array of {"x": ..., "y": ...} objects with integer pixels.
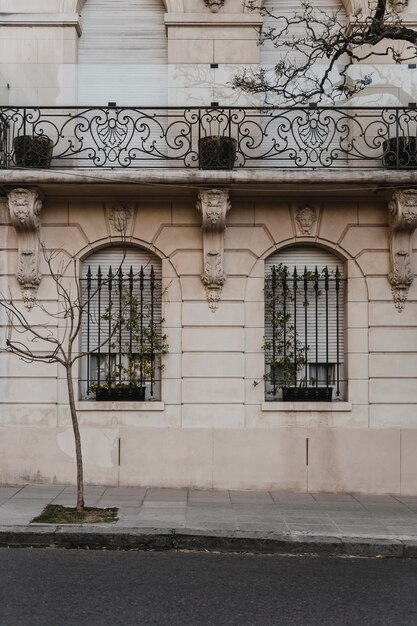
[
  {"x": 316, "y": 49},
  {"x": 54, "y": 342},
  {"x": 57, "y": 340}
]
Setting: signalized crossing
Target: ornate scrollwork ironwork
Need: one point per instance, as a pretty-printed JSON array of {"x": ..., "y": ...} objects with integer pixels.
[{"x": 298, "y": 137}]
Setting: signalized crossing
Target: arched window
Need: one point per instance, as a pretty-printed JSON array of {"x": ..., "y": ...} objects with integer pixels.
[
  {"x": 121, "y": 325},
  {"x": 304, "y": 321}
]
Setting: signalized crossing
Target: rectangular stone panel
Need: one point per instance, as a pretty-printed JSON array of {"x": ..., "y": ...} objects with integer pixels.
[
  {"x": 213, "y": 340},
  {"x": 215, "y": 390}
]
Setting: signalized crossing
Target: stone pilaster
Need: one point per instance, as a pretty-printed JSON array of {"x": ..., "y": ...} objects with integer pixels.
[
  {"x": 25, "y": 208},
  {"x": 403, "y": 222},
  {"x": 213, "y": 204}
]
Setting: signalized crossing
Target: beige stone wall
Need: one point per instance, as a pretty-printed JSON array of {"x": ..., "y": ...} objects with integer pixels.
[{"x": 213, "y": 427}]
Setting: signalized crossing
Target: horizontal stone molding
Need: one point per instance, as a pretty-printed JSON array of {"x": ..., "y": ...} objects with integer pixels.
[
  {"x": 301, "y": 407},
  {"x": 41, "y": 19},
  {"x": 213, "y": 19}
]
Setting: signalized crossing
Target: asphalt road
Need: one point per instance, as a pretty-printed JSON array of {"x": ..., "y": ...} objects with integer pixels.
[{"x": 70, "y": 587}]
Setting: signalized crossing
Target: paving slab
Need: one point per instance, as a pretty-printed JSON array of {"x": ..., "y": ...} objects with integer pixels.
[{"x": 152, "y": 518}]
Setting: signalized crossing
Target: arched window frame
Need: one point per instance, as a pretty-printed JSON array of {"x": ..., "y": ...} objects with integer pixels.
[
  {"x": 304, "y": 356},
  {"x": 121, "y": 333}
]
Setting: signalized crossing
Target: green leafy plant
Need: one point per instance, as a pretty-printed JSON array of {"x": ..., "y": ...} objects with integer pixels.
[
  {"x": 136, "y": 346},
  {"x": 285, "y": 357}
]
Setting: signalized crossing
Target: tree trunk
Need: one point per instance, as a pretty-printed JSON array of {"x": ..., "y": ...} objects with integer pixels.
[{"x": 77, "y": 439}]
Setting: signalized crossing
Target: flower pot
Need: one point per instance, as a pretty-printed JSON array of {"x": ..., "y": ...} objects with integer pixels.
[
  {"x": 121, "y": 394},
  {"x": 32, "y": 151},
  {"x": 217, "y": 153},
  {"x": 400, "y": 153},
  {"x": 307, "y": 394}
]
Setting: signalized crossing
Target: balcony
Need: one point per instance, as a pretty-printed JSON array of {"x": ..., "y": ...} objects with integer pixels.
[{"x": 215, "y": 138}]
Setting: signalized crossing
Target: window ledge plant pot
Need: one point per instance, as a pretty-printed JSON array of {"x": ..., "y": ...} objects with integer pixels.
[
  {"x": 307, "y": 394},
  {"x": 121, "y": 394},
  {"x": 400, "y": 153},
  {"x": 32, "y": 151},
  {"x": 217, "y": 153}
]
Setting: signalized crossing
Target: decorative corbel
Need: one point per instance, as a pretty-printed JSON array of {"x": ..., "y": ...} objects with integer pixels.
[
  {"x": 403, "y": 222},
  {"x": 25, "y": 208},
  {"x": 213, "y": 204}
]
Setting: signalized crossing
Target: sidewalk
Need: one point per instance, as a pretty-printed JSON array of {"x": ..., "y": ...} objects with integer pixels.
[{"x": 275, "y": 521}]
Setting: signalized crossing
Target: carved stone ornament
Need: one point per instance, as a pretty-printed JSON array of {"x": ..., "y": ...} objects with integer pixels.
[
  {"x": 213, "y": 204},
  {"x": 120, "y": 217},
  {"x": 214, "y": 5},
  {"x": 25, "y": 209},
  {"x": 306, "y": 218},
  {"x": 403, "y": 222}
]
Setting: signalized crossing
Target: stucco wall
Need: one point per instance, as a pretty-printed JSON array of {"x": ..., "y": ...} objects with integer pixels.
[{"x": 213, "y": 427}]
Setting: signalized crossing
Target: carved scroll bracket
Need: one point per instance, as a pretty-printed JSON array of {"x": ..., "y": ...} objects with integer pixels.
[
  {"x": 403, "y": 222},
  {"x": 213, "y": 204},
  {"x": 25, "y": 209}
]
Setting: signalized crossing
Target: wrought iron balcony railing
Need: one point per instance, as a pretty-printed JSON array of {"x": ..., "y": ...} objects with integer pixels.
[{"x": 208, "y": 138}]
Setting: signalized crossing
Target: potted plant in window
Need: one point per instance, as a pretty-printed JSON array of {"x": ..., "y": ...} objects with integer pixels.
[
  {"x": 135, "y": 351},
  {"x": 286, "y": 356}
]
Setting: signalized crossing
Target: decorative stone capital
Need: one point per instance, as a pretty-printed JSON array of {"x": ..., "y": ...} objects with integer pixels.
[
  {"x": 403, "y": 222},
  {"x": 213, "y": 204},
  {"x": 25, "y": 206}
]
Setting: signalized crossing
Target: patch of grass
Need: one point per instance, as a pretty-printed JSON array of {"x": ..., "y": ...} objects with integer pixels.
[{"x": 57, "y": 514}]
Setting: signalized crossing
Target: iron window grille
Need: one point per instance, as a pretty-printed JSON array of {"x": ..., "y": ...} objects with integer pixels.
[
  {"x": 122, "y": 337},
  {"x": 304, "y": 333}
]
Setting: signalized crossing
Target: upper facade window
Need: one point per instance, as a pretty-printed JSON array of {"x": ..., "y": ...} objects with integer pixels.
[
  {"x": 123, "y": 53},
  {"x": 304, "y": 325},
  {"x": 121, "y": 325}
]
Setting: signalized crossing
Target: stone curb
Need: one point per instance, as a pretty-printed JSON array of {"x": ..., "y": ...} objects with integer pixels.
[{"x": 103, "y": 537}]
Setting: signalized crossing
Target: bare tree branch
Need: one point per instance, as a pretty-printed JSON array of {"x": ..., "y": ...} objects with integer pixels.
[{"x": 316, "y": 48}]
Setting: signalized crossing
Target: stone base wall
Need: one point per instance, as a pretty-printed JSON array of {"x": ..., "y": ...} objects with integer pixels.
[{"x": 212, "y": 427}]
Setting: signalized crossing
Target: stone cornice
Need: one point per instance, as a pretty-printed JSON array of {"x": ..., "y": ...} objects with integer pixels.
[
  {"x": 349, "y": 177},
  {"x": 41, "y": 19}
]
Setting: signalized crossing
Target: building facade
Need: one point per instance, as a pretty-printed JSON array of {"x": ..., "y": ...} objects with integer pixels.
[{"x": 290, "y": 267}]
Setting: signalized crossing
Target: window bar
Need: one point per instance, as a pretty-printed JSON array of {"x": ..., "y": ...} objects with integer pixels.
[
  {"x": 326, "y": 289},
  {"x": 110, "y": 279},
  {"x": 273, "y": 295},
  {"x": 88, "y": 328},
  {"x": 337, "y": 333},
  {"x": 131, "y": 313},
  {"x": 295, "y": 285},
  {"x": 141, "y": 280},
  {"x": 284, "y": 308},
  {"x": 152, "y": 331},
  {"x": 397, "y": 143},
  {"x": 99, "y": 276},
  {"x": 316, "y": 303},
  {"x": 119, "y": 321},
  {"x": 305, "y": 323}
]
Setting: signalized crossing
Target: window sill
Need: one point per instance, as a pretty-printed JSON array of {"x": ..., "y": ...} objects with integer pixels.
[
  {"x": 93, "y": 405},
  {"x": 307, "y": 406}
]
